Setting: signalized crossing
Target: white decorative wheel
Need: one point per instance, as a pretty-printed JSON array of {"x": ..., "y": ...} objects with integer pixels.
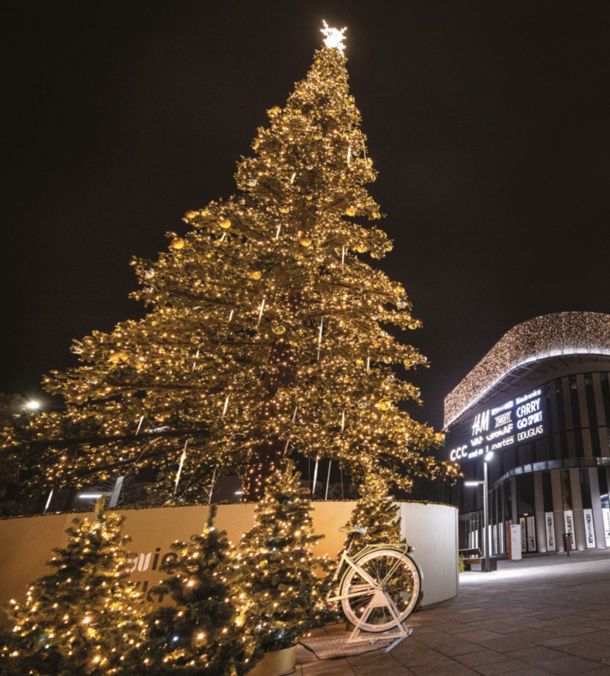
[{"x": 381, "y": 590}]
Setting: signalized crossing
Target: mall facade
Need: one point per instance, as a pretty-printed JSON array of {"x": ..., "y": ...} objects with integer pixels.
[{"x": 539, "y": 402}]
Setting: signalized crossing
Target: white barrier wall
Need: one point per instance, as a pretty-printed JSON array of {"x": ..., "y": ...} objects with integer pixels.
[
  {"x": 433, "y": 530},
  {"x": 26, "y": 543}
]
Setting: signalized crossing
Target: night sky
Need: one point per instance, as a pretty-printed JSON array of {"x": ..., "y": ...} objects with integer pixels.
[{"x": 489, "y": 124}]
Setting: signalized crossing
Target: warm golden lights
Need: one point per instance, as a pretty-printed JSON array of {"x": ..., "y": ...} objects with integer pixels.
[{"x": 266, "y": 332}]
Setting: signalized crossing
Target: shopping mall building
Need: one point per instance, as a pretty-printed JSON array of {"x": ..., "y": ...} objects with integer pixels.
[{"x": 540, "y": 402}]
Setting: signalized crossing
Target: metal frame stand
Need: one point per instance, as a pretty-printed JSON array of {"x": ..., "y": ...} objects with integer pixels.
[{"x": 381, "y": 600}]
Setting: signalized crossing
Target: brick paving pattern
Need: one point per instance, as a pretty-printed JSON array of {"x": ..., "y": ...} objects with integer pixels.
[{"x": 538, "y": 616}]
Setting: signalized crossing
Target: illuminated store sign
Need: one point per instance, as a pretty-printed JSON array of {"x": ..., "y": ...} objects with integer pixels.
[{"x": 515, "y": 421}]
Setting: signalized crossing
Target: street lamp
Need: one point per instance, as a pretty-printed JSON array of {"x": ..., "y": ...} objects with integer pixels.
[{"x": 485, "y": 483}]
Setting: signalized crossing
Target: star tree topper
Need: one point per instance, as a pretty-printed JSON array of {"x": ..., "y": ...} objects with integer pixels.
[{"x": 333, "y": 37}]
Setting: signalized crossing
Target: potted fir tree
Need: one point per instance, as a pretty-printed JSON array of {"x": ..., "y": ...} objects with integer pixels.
[
  {"x": 83, "y": 617},
  {"x": 281, "y": 597},
  {"x": 201, "y": 634}
]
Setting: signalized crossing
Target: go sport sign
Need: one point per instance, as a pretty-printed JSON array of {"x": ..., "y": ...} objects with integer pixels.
[{"x": 514, "y": 422}]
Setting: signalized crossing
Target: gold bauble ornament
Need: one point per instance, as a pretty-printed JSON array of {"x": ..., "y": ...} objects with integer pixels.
[
  {"x": 309, "y": 197},
  {"x": 177, "y": 243},
  {"x": 190, "y": 214},
  {"x": 116, "y": 357},
  {"x": 384, "y": 405},
  {"x": 360, "y": 248},
  {"x": 225, "y": 223},
  {"x": 276, "y": 110},
  {"x": 359, "y": 362},
  {"x": 278, "y": 328},
  {"x": 256, "y": 275},
  {"x": 412, "y": 326},
  {"x": 298, "y": 112},
  {"x": 305, "y": 242},
  {"x": 350, "y": 211},
  {"x": 284, "y": 210}
]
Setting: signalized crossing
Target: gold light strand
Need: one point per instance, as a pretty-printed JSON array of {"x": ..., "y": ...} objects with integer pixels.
[
  {"x": 212, "y": 487},
  {"x": 315, "y": 475},
  {"x": 260, "y": 314},
  {"x": 180, "y": 466},
  {"x": 294, "y": 416},
  {"x": 320, "y": 336}
]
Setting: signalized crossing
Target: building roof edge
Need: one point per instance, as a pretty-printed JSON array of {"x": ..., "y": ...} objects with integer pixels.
[{"x": 558, "y": 334}]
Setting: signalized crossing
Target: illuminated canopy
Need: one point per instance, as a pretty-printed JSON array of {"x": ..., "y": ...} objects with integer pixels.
[{"x": 553, "y": 335}]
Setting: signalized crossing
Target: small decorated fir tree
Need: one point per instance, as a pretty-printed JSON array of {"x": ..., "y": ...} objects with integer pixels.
[
  {"x": 376, "y": 511},
  {"x": 82, "y": 618},
  {"x": 202, "y": 634},
  {"x": 276, "y": 569}
]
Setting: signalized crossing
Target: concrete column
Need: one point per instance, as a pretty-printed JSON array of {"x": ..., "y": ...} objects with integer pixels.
[
  {"x": 554, "y": 415},
  {"x": 539, "y": 511},
  {"x": 599, "y": 400},
  {"x": 600, "y": 537},
  {"x": 513, "y": 499},
  {"x": 603, "y": 441},
  {"x": 579, "y": 519},
  {"x": 582, "y": 400},
  {"x": 567, "y": 402},
  {"x": 586, "y": 441},
  {"x": 557, "y": 508}
]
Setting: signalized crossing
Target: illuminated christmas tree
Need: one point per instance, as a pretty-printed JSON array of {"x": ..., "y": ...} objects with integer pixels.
[
  {"x": 84, "y": 617},
  {"x": 377, "y": 511},
  {"x": 281, "y": 597},
  {"x": 266, "y": 331},
  {"x": 202, "y": 634}
]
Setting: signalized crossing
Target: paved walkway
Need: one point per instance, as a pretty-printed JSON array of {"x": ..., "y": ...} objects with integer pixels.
[{"x": 548, "y": 615}]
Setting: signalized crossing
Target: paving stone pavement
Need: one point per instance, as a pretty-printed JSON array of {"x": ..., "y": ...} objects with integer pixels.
[{"x": 538, "y": 616}]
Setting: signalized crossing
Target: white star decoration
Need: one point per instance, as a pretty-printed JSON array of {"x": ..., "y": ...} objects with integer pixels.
[{"x": 333, "y": 37}]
